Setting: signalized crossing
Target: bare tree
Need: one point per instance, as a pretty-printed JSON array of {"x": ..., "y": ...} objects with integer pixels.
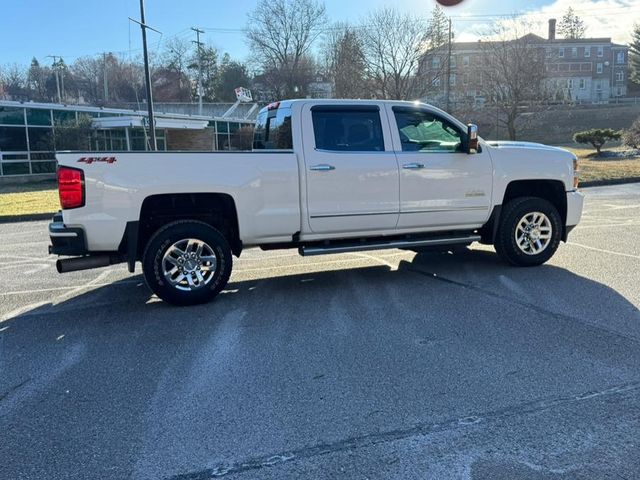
[
  {"x": 173, "y": 65},
  {"x": 14, "y": 79},
  {"x": 280, "y": 34},
  {"x": 89, "y": 74},
  {"x": 514, "y": 72},
  {"x": 393, "y": 46}
]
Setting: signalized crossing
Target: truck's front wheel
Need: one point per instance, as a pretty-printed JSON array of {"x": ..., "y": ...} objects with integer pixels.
[
  {"x": 530, "y": 231},
  {"x": 187, "y": 262}
]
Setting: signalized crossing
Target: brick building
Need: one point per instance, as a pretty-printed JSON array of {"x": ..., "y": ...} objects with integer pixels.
[{"x": 586, "y": 70}]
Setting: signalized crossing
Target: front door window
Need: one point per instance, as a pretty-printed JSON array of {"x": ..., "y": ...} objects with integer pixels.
[{"x": 421, "y": 131}]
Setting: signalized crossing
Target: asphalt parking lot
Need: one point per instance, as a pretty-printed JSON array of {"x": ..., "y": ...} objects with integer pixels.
[{"x": 374, "y": 365}]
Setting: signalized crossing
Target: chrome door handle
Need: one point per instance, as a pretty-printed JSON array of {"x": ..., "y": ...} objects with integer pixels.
[
  {"x": 323, "y": 167},
  {"x": 413, "y": 166}
]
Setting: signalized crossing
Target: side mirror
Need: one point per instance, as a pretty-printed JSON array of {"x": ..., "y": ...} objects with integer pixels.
[{"x": 472, "y": 138}]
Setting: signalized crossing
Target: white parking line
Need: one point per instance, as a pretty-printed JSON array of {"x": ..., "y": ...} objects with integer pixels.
[
  {"x": 26, "y": 232},
  {"x": 611, "y": 252},
  {"x": 71, "y": 287}
]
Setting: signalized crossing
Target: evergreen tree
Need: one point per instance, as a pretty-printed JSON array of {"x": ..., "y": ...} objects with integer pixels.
[
  {"x": 349, "y": 67},
  {"x": 232, "y": 75},
  {"x": 571, "y": 25},
  {"x": 438, "y": 28},
  {"x": 634, "y": 54},
  {"x": 210, "y": 72}
]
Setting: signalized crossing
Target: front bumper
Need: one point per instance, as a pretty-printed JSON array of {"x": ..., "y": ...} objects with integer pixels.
[
  {"x": 66, "y": 240},
  {"x": 575, "y": 202}
]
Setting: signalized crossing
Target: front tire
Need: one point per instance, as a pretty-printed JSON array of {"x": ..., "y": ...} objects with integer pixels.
[
  {"x": 530, "y": 231},
  {"x": 187, "y": 262}
]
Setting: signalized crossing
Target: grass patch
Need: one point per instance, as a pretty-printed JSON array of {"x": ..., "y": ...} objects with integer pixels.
[
  {"x": 594, "y": 168},
  {"x": 29, "y": 198}
]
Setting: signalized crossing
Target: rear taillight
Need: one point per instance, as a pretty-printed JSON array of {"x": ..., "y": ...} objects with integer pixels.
[{"x": 71, "y": 187}]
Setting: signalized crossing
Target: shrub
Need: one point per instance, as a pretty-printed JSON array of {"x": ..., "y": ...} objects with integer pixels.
[
  {"x": 597, "y": 137},
  {"x": 631, "y": 137}
]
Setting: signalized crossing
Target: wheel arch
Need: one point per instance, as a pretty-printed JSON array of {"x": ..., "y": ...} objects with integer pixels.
[
  {"x": 551, "y": 190},
  {"x": 215, "y": 209}
]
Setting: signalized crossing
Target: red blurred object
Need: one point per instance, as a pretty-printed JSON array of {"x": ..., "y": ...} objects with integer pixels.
[
  {"x": 71, "y": 187},
  {"x": 449, "y": 3}
]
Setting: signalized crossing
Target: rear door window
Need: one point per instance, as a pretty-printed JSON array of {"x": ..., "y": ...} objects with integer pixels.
[{"x": 347, "y": 129}]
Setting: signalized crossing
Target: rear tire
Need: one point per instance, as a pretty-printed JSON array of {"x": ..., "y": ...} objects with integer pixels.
[
  {"x": 187, "y": 262},
  {"x": 529, "y": 232}
]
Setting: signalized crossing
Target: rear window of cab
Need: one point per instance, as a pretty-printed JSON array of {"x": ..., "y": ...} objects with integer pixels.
[{"x": 273, "y": 130}]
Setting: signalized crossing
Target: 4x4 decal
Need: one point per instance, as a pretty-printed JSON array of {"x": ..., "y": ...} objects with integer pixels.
[{"x": 90, "y": 160}]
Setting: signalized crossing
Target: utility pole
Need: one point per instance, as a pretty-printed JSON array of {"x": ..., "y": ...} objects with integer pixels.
[
  {"x": 198, "y": 44},
  {"x": 147, "y": 75},
  {"x": 105, "y": 77},
  {"x": 449, "y": 68},
  {"x": 56, "y": 66}
]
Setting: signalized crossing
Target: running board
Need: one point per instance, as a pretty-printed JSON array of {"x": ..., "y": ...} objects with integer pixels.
[{"x": 380, "y": 245}]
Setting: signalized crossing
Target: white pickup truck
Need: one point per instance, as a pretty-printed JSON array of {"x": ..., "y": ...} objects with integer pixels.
[{"x": 324, "y": 176}]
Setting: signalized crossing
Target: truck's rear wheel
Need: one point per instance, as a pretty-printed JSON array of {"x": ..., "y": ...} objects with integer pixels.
[
  {"x": 530, "y": 231},
  {"x": 187, "y": 262}
]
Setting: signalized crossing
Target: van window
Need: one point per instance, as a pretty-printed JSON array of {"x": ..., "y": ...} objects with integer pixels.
[
  {"x": 273, "y": 130},
  {"x": 347, "y": 129}
]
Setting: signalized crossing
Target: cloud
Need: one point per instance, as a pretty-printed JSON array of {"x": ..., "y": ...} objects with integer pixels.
[{"x": 602, "y": 18}]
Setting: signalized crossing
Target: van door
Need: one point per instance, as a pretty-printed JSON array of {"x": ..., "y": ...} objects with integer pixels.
[
  {"x": 351, "y": 170},
  {"x": 440, "y": 184}
]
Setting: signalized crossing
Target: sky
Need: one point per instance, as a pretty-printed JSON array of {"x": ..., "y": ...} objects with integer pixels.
[{"x": 74, "y": 28}]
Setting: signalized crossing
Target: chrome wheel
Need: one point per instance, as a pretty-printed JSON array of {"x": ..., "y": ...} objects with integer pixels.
[
  {"x": 189, "y": 264},
  {"x": 533, "y": 233}
]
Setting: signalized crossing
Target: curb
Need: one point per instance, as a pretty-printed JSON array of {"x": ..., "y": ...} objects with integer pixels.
[
  {"x": 613, "y": 181},
  {"x": 31, "y": 217}
]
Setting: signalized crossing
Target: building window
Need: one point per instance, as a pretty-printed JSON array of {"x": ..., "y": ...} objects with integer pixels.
[
  {"x": 40, "y": 139},
  {"x": 466, "y": 60},
  {"x": 583, "y": 84},
  {"x": 13, "y": 139},
  {"x": 435, "y": 62},
  {"x": 587, "y": 52},
  {"x": 15, "y": 168},
  {"x": 601, "y": 51},
  {"x": 620, "y": 58},
  {"x": 452, "y": 80},
  {"x": 574, "y": 52},
  {"x": 11, "y": 116},
  {"x": 599, "y": 68},
  {"x": 570, "y": 83},
  {"x": 619, "y": 92},
  {"x": 37, "y": 116},
  {"x": 598, "y": 86},
  {"x": 561, "y": 52},
  {"x": 64, "y": 116},
  {"x": 465, "y": 79},
  {"x": 620, "y": 76}
]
